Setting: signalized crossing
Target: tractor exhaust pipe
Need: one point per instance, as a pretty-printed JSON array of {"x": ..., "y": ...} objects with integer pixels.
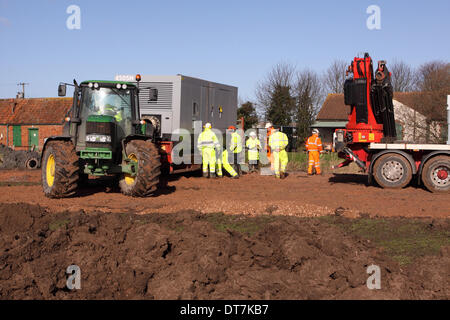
[{"x": 448, "y": 119}]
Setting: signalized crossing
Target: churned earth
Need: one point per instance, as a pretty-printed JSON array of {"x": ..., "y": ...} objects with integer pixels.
[
  {"x": 253, "y": 238},
  {"x": 190, "y": 255}
]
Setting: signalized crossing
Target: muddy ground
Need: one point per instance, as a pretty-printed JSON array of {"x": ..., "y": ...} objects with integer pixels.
[
  {"x": 254, "y": 238},
  {"x": 189, "y": 255}
]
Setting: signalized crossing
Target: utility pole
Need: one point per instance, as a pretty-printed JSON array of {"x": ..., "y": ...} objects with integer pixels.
[{"x": 22, "y": 94}]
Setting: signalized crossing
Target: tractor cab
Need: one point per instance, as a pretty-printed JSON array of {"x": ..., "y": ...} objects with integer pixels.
[{"x": 109, "y": 111}]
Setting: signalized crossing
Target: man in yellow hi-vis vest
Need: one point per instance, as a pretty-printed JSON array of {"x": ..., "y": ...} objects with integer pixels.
[
  {"x": 235, "y": 156},
  {"x": 253, "y": 146},
  {"x": 222, "y": 161},
  {"x": 111, "y": 110},
  {"x": 207, "y": 143},
  {"x": 278, "y": 142}
]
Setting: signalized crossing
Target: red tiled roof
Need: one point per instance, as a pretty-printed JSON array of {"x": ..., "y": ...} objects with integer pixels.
[
  {"x": 334, "y": 108},
  {"x": 414, "y": 100},
  {"x": 6, "y": 110},
  {"x": 34, "y": 110},
  {"x": 407, "y": 98}
]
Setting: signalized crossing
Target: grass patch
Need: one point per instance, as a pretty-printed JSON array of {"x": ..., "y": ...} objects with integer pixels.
[
  {"x": 179, "y": 229},
  {"x": 141, "y": 221},
  {"x": 241, "y": 224},
  {"x": 55, "y": 225},
  {"x": 404, "y": 240},
  {"x": 298, "y": 161}
]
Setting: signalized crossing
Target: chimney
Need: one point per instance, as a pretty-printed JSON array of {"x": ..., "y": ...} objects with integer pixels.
[{"x": 13, "y": 105}]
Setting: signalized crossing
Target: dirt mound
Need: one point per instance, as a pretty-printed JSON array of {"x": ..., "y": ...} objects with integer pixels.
[{"x": 189, "y": 255}]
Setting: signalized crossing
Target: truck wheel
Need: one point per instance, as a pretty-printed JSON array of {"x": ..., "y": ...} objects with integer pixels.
[
  {"x": 392, "y": 171},
  {"x": 60, "y": 169},
  {"x": 436, "y": 174},
  {"x": 145, "y": 181}
]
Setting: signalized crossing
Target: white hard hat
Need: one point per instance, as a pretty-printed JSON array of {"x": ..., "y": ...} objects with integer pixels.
[
  {"x": 208, "y": 125},
  {"x": 314, "y": 131},
  {"x": 268, "y": 125},
  {"x": 253, "y": 134}
]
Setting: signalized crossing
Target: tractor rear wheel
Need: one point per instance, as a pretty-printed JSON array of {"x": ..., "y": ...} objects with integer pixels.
[
  {"x": 60, "y": 169},
  {"x": 436, "y": 174},
  {"x": 148, "y": 161},
  {"x": 392, "y": 171}
]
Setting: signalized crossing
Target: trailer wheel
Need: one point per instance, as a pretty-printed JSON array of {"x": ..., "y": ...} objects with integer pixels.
[
  {"x": 146, "y": 179},
  {"x": 436, "y": 174},
  {"x": 60, "y": 170},
  {"x": 392, "y": 171}
]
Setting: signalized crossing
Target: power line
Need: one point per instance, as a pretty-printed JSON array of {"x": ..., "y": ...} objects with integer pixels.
[{"x": 7, "y": 84}]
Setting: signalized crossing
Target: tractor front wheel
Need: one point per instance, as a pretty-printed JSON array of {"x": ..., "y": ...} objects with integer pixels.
[
  {"x": 60, "y": 169},
  {"x": 147, "y": 157}
]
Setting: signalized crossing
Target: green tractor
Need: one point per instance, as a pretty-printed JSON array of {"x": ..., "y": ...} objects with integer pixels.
[{"x": 103, "y": 136}]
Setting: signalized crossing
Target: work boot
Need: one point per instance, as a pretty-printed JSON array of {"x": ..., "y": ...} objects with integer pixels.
[
  {"x": 212, "y": 175},
  {"x": 282, "y": 175},
  {"x": 205, "y": 174},
  {"x": 235, "y": 177}
]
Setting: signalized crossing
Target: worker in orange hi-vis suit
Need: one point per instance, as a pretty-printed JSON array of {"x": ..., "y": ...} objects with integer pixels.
[
  {"x": 270, "y": 129},
  {"x": 314, "y": 147}
]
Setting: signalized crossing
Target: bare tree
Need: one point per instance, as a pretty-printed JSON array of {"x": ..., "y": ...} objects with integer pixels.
[
  {"x": 433, "y": 84},
  {"x": 274, "y": 100},
  {"x": 334, "y": 77},
  {"x": 309, "y": 94},
  {"x": 403, "y": 76},
  {"x": 433, "y": 76}
]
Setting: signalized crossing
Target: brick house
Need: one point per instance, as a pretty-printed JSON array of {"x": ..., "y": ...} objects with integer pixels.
[
  {"x": 25, "y": 123},
  {"x": 410, "y": 124}
]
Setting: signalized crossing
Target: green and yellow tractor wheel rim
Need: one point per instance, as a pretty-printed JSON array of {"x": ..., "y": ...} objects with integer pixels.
[
  {"x": 50, "y": 170},
  {"x": 129, "y": 180}
]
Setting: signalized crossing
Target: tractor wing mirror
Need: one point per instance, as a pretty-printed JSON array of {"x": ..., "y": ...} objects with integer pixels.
[{"x": 62, "y": 90}]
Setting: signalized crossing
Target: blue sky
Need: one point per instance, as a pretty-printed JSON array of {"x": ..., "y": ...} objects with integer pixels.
[{"x": 233, "y": 42}]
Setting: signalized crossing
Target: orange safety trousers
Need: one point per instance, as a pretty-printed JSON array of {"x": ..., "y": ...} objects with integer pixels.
[{"x": 314, "y": 161}]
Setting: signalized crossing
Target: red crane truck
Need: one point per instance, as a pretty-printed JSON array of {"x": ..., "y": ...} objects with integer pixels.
[{"x": 369, "y": 138}]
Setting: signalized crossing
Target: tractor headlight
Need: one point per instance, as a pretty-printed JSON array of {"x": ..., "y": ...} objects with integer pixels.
[{"x": 98, "y": 138}]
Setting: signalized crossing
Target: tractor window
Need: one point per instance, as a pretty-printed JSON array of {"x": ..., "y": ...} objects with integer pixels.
[{"x": 107, "y": 101}]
